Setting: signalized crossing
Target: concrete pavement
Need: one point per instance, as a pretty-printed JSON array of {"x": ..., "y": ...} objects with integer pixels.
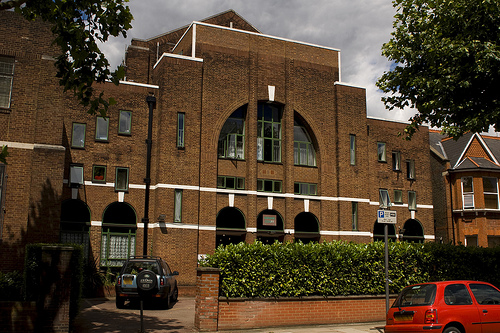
[{"x": 102, "y": 316}]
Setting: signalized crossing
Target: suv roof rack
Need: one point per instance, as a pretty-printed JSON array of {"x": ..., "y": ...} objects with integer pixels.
[{"x": 144, "y": 257}]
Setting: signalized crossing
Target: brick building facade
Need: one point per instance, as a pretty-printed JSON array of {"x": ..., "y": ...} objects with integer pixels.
[{"x": 253, "y": 137}]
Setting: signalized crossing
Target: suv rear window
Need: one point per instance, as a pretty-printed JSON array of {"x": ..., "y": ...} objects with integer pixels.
[
  {"x": 134, "y": 267},
  {"x": 418, "y": 295}
]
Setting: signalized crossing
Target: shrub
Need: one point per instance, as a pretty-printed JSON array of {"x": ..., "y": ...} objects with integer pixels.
[
  {"x": 11, "y": 286},
  {"x": 344, "y": 268}
]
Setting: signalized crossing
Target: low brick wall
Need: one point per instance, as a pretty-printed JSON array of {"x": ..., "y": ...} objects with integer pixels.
[
  {"x": 296, "y": 311},
  {"x": 214, "y": 313}
]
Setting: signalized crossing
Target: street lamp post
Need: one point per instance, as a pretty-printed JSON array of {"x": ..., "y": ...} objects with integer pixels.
[{"x": 151, "y": 100}]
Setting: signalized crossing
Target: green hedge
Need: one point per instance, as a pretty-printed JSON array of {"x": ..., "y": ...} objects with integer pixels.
[
  {"x": 33, "y": 271},
  {"x": 344, "y": 268}
]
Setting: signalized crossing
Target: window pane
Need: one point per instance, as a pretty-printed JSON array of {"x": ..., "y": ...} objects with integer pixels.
[
  {"x": 230, "y": 182},
  {"x": 178, "y": 206},
  {"x": 180, "y": 129},
  {"x": 303, "y": 154},
  {"x": 260, "y": 185},
  {"x": 396, "y": 161},
  {"x": 78, "y": 137},
  {"x": 410, "y": 169},
  {"x": 354, "y": 210},
  {"x": 385, "y": 201},
  {"x": 5, "y": 90},
  {"x": 412, "y": 200},
  {"x": 260, "y": 149},
  {"x": 277, "y": 151},
  {"x": 277, "y": 187},
  {"x": 121, "y": 182},
  {"x": 268, "y": 185},
  {"x": 381, "y": 151},
  {"x": 101, "y": 130},
  {"x": 231, "y": 147},
  {"x": 467, "y": 184},
  {"x": 491, "y": 201},
  {"x": 490, "y": 185},
  {"x": 240, "y": 150},
  {"x": 352, "y": 149},
  {"x": 76, "y": 175},
  {"x": 398, "y": 196},
  {"x": 296, "y": 153},
  {"x": 241, "y": 184},
  {"x": 221, "y": 182},
  {"x": 125, "y": 122},
  {"x": 313, "y": 189},
  {"x": 99, "y": 173}
]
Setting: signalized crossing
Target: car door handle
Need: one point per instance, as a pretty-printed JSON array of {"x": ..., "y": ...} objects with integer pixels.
[{"x": 485, "y": 311}]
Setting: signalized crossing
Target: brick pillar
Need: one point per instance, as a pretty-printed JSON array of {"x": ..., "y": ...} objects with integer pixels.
[
  {"x": 207, "y": 299},
  {"x": 55, "y": 289}
]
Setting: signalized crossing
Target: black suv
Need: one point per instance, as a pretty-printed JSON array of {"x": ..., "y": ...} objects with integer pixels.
[{"x": 126, "y": 284}]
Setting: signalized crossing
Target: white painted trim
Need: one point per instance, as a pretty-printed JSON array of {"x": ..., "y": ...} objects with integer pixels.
[
  {"x": 459, "y": 161},
  {"x": 339, "y": 83},
  {"x": 145, "y": 85},
  {"x": 30, "y": 146},
  {"x": 96, "y": 223},
  {"x": 178, "y": 56}
]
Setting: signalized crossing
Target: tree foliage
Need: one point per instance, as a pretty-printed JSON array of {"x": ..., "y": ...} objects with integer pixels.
[
  {"x": 78, "y": 26},
  {"x": 447, "y": 64}
]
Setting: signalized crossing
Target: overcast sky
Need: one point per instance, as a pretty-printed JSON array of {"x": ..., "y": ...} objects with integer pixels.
[{"x": 357, "y": 27}]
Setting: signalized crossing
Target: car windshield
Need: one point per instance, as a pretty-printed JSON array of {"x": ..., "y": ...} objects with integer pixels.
[
  {"x": 418, "y": 295},
  {"x": 485, "y": 294},
  {"x": 134, "y": 267}
]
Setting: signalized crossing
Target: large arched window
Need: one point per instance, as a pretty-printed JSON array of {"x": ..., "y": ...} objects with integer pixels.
[
  {"x": 378, "y": 232},
  {"x": 230, "y": 224},
  {"x": 270, "y": 227},
  {"x": 232, "y": 136},
  {"x": 118, "y": 234},
  {"x": 413, "y": 231},
  {"x": 306, "y": 228},
  {"x": 75, "y": 224},
  {"x": 269, "y": 132},
  {"x": 303, "y": 148}
]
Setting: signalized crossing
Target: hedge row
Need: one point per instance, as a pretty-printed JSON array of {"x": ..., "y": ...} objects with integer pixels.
[{"x": 344, "y": 268}]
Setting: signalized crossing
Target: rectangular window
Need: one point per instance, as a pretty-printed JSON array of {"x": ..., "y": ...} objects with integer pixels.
[
  {"x": 381, "y": 152},
  {"x": 269, "y": 133},
  {"x": 101, "y": 129},
  {"x": 384, "y": 200},
  {"x": 269, "y": 185},
  {"x": 352, "y": 149},
  {"x": 2, "y": 195},
  {"x": 396, "y": 161},
  {"x": 226, "y": 182},
  {"x": 412, "y": 200},
  {"x": 78, "y": 135},
  {"x": 467, "y": 193},
  {"x": 121, "y": 180},
  {"x": 410, "y": 169},
  {"x": 490, "y": 190},
  {"x": 471, "y": 240},
  {"x": 178, "y": 206},
  {"x": 354, "y": 211},
  {"x": 75, "y": 175},
  {"x": 180, "y": 129},
  {"x": 125, "y": 123},
  {"x": 6, "y": 79},
  {"x": 398, "y": 196},
  {"x": 305, "y": 189},
  {"x": 99, "y": 174}
]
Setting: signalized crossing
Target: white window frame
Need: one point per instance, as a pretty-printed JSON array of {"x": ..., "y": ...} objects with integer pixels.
[
  {"x": 127, "y": 123},
  {"x": 491, "y": 193},
  {"x": 100, "y": 122},
  {"x": 74, "y": 138},
  {"x": 467, "y": 197},
  {"x": 76, "y": 175}
]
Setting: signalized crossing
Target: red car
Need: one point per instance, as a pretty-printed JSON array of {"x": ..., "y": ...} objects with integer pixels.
[{"x": 446, "y": 307}]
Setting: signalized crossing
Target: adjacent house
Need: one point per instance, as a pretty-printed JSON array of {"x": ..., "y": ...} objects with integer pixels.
[
  {"x": 253, "y": 137},
  {"x": 465, "y": 188}
]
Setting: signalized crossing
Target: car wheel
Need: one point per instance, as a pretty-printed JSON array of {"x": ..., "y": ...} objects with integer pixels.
[
  {"x": 120, "y": 302},
  {"x": 167, "y": 303},
  {"x": 452, "y": 329},
  {"x": 175, "y": 294}
]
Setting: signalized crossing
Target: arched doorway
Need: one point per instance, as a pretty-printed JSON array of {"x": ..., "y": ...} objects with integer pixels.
[
  {"x": 231, "y": 228},
  {"x": 119, "y": 225},
  {"x": 413, "y": 231},
  {"x": 378, "y": 232},
  {"x": 270, "y": 227},
  {"x": 306, "y": 228},
  {"x": 75, "y": 224}
]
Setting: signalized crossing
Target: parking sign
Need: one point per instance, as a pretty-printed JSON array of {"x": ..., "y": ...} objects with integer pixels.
[{"x": 386, "y": 216}]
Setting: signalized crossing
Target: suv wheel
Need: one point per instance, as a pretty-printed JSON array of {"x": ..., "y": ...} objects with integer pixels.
[
  {"x": 175, "y": 294},
  {"x": 120, "y": 302}
]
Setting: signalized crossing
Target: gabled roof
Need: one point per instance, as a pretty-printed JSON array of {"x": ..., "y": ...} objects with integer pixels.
[{"x": 471, "y": 151}]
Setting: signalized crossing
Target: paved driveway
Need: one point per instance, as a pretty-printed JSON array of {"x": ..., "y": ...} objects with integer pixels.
[{"x": 101, "y": 315}]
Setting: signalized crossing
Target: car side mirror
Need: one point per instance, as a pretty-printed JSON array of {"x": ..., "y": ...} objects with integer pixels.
[{"x": 175, "y": 273}]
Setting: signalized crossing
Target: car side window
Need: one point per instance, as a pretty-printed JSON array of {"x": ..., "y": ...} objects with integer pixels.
[
  {"x": 457, "y": 294},
  {"x": 167, "y": 269},
  {"x": 485, "y": 294}
]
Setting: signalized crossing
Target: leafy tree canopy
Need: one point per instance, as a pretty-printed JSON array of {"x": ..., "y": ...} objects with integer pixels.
[
  {"x": 447, "y": 64},
  {"x": 78, "y": 25}
]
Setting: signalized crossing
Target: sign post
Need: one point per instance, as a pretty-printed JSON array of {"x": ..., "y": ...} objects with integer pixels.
[
  {"x": 386, "y": 217},
  {"x": 146, "y": 285}
]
